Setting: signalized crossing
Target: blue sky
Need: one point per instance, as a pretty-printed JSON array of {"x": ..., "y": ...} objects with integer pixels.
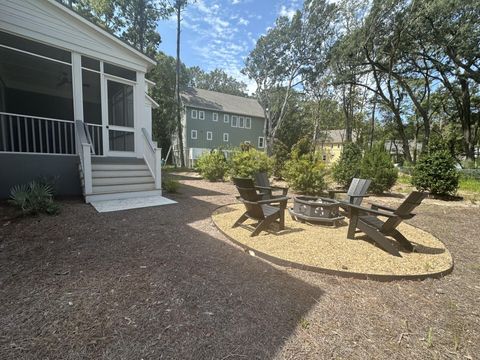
[{"x": 221, "y": 33}]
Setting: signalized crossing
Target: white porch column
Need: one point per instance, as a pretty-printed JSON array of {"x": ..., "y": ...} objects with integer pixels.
[
  {"x": 139, "y": 102},
  {"x": 77, "y": 86}
]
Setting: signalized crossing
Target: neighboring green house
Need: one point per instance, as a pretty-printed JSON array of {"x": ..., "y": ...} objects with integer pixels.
[{"x": 213, "y": 120}]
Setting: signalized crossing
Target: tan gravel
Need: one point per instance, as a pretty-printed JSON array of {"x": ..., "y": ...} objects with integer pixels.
[{"x": 328, "y": 248}]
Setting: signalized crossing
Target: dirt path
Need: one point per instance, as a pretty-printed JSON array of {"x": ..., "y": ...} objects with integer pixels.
[{"x": 163, "y": 283}]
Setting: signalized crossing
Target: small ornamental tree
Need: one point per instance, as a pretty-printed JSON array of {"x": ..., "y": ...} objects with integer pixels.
[
  {"x": 212, "y": 165},
  {"x": 280, "y": 156},
  {"x": 306, "y": 174},
  {"x": 348, "y": 166},
  {"x": 377, "y": 166},
  {"x": 435, "y": 172},
  {"x": 245, "y": 163}
]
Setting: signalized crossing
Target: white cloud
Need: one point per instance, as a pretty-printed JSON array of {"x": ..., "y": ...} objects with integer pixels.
[
  {"x": 235, "y": 2},
  {"x": 288, "y": 12},
  {"x": 243, "y": 21}
]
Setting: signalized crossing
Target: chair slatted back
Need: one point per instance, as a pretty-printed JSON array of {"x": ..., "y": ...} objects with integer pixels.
[
  {"x": 254, "y": 210},
  {"x": 404, "y": 211},
  {"x": 358, "y": 187},
  {"x": 243, "y": 182},
  {"x": 261, "y": 179}
]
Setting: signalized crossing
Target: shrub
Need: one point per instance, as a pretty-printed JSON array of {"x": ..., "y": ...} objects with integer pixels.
[
  {"x": 247, "y": 163},
  {"x": 348, "y": 166},
  {"x": 377, "y": 166},
  {"x": 280, "y": 156},
  {"x": 34, "y": 198},
  {"x": 170, "y": 186},
  {"x": 212, "y": 165},
  {"x": 306, "y": 174},
  {"x": 435, "y": 172}
]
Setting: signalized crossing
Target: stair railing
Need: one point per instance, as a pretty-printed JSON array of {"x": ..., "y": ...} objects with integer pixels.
[
  {"x": 84, "y": 148},
  {"x": 153, "y": 157}
]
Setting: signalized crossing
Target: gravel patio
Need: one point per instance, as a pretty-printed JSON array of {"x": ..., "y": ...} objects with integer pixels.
[{"x": 164, "y": 283}]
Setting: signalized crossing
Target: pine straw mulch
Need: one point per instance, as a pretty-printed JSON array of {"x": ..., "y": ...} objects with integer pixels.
[
  {"x": 327, "y": 249},
  {"x": 164, "y": 283}
]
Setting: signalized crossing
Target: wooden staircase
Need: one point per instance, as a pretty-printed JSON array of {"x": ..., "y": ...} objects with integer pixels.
[{"x": 120, "y": 178}]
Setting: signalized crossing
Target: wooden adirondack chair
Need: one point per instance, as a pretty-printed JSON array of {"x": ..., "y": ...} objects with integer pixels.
[
  {"x": 355, "y": 193},
  {"x": 367, "y": 221},
  {"x": 248, "y": 183},
  {"x": 263, "y": 184},
  {"x": 261, "y": 210}
]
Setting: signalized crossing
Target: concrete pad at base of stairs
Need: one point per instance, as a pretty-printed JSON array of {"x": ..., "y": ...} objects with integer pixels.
[{"x": 132, "y": 203}]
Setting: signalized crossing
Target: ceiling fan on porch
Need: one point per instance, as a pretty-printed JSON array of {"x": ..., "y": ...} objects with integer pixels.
[{"x": 64, "y": 79}]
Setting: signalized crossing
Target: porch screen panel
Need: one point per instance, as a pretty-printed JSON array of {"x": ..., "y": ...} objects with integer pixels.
[
  {"x": 120, "y": 104},
  {"x": 121, "y": 140}
]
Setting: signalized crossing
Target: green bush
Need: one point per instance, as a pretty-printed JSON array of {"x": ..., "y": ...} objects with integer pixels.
[
  {"x": 212, "y": 165},
  {"x": 435, "y": 172},
  {"x": 348, "y": 166},
  {"x": 377, "y": 166},
  {"x": 34, "y": 198},
  {"x": 306, "y": 174},
  {"x": 170, "y": 186},
  {"x": 247, "y": 163},
  {"x": 280, "y": 156}
]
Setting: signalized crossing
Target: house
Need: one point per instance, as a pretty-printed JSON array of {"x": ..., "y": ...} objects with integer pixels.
[
  {"x": 214, "y": 120},
  {"x": 395, "y": 148},
  {"x": 73, "y": 105},
  {"x": 329, "y": 144}
]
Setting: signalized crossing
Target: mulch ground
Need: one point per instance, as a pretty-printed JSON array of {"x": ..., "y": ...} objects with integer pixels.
[{"x": 164, "y": 283}]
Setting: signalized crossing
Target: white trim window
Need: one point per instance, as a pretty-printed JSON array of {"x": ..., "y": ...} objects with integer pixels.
[
  {"x": 234, "y": 121},
  {"x": 201, "y": 115},
  {"x": 226, "y": 118},
  {"x": 193, "y": 114},
  {"x": 261, "y": 142},
  {"x": 241, "y": 122},
  {"x": 209, "y": 135},
  {"x": 215, "y": 116},
  {"x": 193, "y": 134},
  {"x": 248, "y": 123},
  {"x": 225, "y": 137}
]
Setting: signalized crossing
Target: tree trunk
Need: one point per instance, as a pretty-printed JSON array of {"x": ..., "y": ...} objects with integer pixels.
[
  {"x": 466, "y": 119},
  {"x": 372, "y": 122},
  {"x": 403, "y": 137},
  {"x": 177, "y": 90}
]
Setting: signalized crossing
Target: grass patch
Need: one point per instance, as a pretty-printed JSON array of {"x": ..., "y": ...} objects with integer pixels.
[
  {"x": 404, "y": 179},
  {"x": 470, "y": 185}
]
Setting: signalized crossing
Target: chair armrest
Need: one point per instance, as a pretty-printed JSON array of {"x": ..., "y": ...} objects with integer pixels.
[
  {"x": 376, "y": 206},
  {"x": 370, "y": 211},
  {"x": 275, "y": 200},
  {"x": 263, "y": 187}
]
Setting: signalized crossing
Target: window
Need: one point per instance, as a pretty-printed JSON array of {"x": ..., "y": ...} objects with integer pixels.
[
  {"x": 324, "y": 157},
  {"x": 261, "y": 141},
  {"x": 234, "y": 121},
  {"x": 215, "y": 117},
  {"x": 201, "y": 115},
  {"x": 209, "y": 135},
  {"x": 119, "y": 71},
  {"x": 91, "y": 64},
  {"x": 225, "y": 137},
  {"x": 241, "y": 123},
  {"x": 248, "y": 123},
  {"x": 226, "y": 118},
  {"x": 194, "y": 114},
  {"x": 193, "y": 134}
]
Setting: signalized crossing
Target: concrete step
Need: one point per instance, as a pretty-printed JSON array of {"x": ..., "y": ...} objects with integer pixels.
[
  {"x": 120, "y": 173},
  {"x": 122, "y": 180},
  {"x": 122, "y": 195},
  {"x": 105, "y": 189},
  {"x": 124, "y": 167}
]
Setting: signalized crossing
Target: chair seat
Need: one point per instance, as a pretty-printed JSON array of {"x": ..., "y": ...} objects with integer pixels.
[
  {"x": 269, "y": 210},
  {"x": 372, "y": 220}
]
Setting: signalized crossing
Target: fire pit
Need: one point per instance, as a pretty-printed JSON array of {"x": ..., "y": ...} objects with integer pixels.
[{"x": 316, "y": 210}]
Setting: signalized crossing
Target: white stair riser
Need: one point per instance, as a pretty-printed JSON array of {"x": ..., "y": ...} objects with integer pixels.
[
  {"x": 119, "y": 167},
  {"x": 124, "y": 195},
  {"x": 122, "y": 188},
  {"x": 122, "y": 180},
  {"x": 120, "y": 173}
]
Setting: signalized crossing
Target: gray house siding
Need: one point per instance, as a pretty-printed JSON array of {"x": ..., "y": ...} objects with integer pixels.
[
  {"x": 236, "y": 135},
  {"x": 23, "y": 168}
]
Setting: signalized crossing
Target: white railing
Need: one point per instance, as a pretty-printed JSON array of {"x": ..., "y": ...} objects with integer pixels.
[
  {"x": 34, "y": 134},
  {"x": 95, "y": 131},
  {"x": 84, "y": 149},
  {"x": 153, "y": 158}
]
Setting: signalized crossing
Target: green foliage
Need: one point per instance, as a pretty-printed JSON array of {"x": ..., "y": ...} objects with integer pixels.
[
  {"x": 217, "y": 80},
  {"x": 247, "y": 163},
  {"x": 280, "y": 156},
  {"x": 304, "y": 146},
  {"x": 306, "y": 174},
  {"x": 170, "y": 185},
  {"x": 348, "y": 166},
  {"x": 435, "y": 172},
  {"x": 34, "y": 198},
  {"x": 212, "y": 165},
  {"x": 378, "y": 166}
]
